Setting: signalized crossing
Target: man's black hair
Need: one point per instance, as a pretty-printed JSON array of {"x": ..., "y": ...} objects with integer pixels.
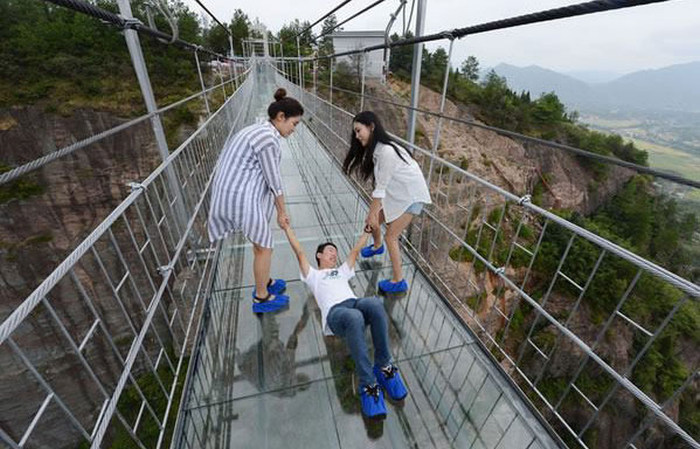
[{"x": 320, "y": 249}]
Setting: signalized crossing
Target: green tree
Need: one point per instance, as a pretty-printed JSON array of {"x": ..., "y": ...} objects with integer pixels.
[
  {"x": 326, "y": 45},
  {"x": 434, "y": 66},
  {"x": 240, "y": 29},
  {"x": 401, "y": 58},
  {"x": 289, "y": 43},
  {"x": 470, "y": 68},
  {"x": 548, "y": 110}
]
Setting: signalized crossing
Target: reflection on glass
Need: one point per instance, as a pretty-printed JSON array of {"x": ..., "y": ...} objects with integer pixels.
[{"x": 270, "y": 364}]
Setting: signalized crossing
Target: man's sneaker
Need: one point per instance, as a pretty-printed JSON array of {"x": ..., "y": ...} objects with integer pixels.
[
  {"x": 369, "y": 251},
  {"x": 390, "y": 381},
  {"x": 270, "y": 304},
  {"x": 393, "y": 287},
  {"x": 372, "y": 399},
  {"x": 274, "y": 287}
]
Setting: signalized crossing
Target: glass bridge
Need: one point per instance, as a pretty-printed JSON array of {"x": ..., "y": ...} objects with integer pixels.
[
  {"x": 275, "y": 380},
  {"x": 144, "y": 335}
]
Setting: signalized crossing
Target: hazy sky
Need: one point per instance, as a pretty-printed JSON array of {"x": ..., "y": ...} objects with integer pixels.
[{"x": 621, "y": 41}]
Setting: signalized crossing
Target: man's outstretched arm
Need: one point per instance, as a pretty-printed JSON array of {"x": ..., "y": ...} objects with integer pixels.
[
  {"x": 298, "y": 250},
  {"x": 352, "y": 257}
]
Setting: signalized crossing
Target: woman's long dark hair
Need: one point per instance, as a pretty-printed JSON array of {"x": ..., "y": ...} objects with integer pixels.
[{"x": 360, "y": 160}]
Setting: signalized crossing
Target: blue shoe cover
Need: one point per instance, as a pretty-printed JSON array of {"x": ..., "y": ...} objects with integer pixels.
[
  {"x": 274, "y": 287},
  {"x": 270, "y": 305},
  {"x": 372, "y": 400},
  {"x": 393, "y": 287},
  {"x": 369, "y": 251},
  {"x": 390, "y": 380}
]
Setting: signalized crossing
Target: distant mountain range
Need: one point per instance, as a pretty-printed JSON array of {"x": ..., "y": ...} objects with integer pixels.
[{"x": 673, "y": 88}]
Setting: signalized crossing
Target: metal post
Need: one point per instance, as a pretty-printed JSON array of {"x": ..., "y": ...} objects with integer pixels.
[
  {"x": 330, "y": 92},
  {"x": 233, "y": 62},
  {"x": 315, "y": 69},
  {"x": 436, "y": 139},
  {"x": 133, "y": 43},
  {"x": 201, "y": 81},
  {"x": 385, "y": 66},
  {"x": 300, "y": 68},
  {"x": 266, "y": 45},
  {"x": 362, "y": 91},
  {"x": 221, "y": 76},
  {"x": 415, "y": 72}
]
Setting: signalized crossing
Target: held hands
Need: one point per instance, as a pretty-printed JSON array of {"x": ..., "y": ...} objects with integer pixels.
[
  {"x": 372, "y": 221},
  {"x": 283, "y": 220}
]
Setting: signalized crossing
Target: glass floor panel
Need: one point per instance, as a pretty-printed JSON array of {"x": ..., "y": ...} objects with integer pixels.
[{"x": 275, "y": 381}]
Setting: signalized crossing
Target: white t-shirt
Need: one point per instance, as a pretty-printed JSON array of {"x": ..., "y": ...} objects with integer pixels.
[
  {"x": 399, "y": 183},
  {"x": 330, "y": 287}
]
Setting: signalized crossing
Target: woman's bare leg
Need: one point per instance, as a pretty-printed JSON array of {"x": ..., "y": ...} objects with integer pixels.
[
  {"x": 262, "y": 258},
  {"x": 377, "y": 233},
  {"x": 393, "y": 231}
]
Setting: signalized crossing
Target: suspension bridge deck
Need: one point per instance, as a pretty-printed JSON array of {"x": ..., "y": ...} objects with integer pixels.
[{"x": 276, "y": 381}]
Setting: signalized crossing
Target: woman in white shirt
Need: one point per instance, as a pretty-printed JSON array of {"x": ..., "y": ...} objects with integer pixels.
[{"x": 399, "y": 192}]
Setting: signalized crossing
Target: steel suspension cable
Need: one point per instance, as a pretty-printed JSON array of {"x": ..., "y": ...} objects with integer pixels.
[
  {"x": 541, "y": 16},
  {"x": 214, "y": 17},
  {"x": 348, "y": 19},
  {"x": 322, "y": 18},
  {"x": 122, "y": 23}
]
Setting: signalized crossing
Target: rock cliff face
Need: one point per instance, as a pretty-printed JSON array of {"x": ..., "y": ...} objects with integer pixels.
[
  {"x": 563, "y": 179},
  {"x": 48, "y": 212},
  {"x": 43, "y": 216}
]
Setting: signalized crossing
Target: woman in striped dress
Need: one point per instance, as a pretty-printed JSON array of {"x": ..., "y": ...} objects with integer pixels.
[{"x": 247, "y": 185}]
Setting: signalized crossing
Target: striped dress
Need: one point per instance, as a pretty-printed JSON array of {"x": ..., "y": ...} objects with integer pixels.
[{"x": 246, "y": 182}]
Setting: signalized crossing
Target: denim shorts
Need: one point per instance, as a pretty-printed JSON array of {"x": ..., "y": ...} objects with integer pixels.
[{"x": 415, "y": 208}]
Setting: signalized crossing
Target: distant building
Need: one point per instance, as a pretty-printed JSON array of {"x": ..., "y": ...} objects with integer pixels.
[{"x": 354, "y": 40}]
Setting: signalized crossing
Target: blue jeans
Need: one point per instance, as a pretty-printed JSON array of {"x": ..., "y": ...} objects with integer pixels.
[{"x": 348, "y": 320}]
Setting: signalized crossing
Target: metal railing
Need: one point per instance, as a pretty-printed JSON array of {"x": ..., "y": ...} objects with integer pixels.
[
  {"x": 548, "y": 298},
  {"x": 122, "y": 308}
]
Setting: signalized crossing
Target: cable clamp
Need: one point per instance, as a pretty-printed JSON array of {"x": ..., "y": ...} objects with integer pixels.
[
  {"x": 163, "y": 270},
  {"x": 525, "y": 199},
  {"x": 501, "y": 270},
  {"x": 136, "y": 186},
  {"x": 131, "y": 23}
]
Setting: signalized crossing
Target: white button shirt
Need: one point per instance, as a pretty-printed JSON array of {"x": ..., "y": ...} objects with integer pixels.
[{"x": 399, "y": 184}]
